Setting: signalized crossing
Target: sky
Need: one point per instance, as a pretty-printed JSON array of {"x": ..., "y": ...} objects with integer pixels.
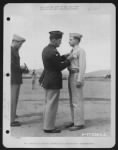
[{"x": 34, "y": 24}]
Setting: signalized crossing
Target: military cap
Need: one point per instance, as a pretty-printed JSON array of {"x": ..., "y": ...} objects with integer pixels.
[
  {"x": 56, "y": 34},
  {"x": 76, "y": 35},
  {"x": 18, "y": 38}
]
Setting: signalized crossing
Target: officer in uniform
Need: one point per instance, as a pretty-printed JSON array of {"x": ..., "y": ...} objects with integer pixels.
[
  {"x": 16, "y": 76},
  {"x": 33, "y": 79},
  {"x": 51, "y": 79},
  {"x": 76, "y": 81}
]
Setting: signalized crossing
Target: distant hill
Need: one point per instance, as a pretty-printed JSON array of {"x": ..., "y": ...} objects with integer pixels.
[
  {"x": 94, "y": 74},
  {"x": 99, "y": 73}
]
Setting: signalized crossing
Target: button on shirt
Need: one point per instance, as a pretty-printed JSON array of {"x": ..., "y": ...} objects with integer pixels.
[{"x": 78, "y": 62}]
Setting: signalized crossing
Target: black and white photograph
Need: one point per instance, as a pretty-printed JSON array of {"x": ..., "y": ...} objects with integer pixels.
[{"x": 59, "y": 75}]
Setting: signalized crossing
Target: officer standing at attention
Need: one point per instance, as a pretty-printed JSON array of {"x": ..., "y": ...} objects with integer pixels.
[
  {"x": 16, "y": 76},
  {"x": 76, "y": 81},
  {"x": 52, "y": 79}
]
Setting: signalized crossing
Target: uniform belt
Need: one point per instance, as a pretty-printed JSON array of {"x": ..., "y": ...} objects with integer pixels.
[{"x": 73, "y": 70}]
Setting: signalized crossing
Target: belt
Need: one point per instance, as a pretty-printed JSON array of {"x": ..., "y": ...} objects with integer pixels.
[{"x": 73, "y": 70}]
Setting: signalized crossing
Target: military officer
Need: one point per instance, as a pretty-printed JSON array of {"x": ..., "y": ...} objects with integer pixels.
[
  {"x": 51, "y": 79},
  {"x": 16, "y": 75},
  {"x": 33, "y": 79},
  {"x": 76, "y": 81}
]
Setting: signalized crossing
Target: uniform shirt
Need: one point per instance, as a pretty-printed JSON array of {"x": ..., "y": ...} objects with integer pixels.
[
  {"x": 51, "y": 77},
  {"x": 78, "y": 62},
  {"x": 16, "y": 73}
]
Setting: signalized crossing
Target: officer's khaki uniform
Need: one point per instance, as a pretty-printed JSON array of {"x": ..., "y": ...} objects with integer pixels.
[{"x": 76, "y": 94}]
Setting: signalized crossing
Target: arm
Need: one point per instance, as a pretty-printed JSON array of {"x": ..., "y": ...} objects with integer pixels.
[
  {"x": 64, "y": 57},
  {"x": 41, "y": 77},
  {"x": 24, "y": 69},
  {"x": 15, "y": 64},
  {"x": 82, "y": 66},
  {"x": 58, "y": 63}
]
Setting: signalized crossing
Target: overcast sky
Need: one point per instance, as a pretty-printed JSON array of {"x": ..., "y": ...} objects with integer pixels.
[{"x": 29, "y": 21}]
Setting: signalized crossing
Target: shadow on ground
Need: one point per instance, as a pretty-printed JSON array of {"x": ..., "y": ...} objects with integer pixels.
[
  {"x": 30, "y": 115},
  {"x": 38, "y": 119},
  {"x": 97, "y": 122}
]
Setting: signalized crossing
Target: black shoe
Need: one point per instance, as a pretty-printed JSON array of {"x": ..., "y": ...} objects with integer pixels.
[
  {"x": 52, "y": 131},
  {"x": 15, "y": 124},
  {"x": 74, "y": 128},
  {"x": 69, "y": 125}
]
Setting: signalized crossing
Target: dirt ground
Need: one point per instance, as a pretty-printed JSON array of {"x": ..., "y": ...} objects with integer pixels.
[{"x": 30, "y": 114}]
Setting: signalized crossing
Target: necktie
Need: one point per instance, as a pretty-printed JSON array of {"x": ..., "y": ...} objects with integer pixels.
[{"x": 71, "y": 51}]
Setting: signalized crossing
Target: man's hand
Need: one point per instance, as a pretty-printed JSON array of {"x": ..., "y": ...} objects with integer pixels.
[
  {"x": 79, "y": 84},
  {"x": 70, "y": 57},
  {"x": 66, "y": 55},
  {"x": 24, "y": 69}
]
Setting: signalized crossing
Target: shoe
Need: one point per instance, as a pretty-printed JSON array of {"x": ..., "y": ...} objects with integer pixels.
[
  {"x": 15, "y": 124},
  {"x": 69, "y": 125},
  {"x": 52, "y": 131},
  {"x": 74, "y": 128}
]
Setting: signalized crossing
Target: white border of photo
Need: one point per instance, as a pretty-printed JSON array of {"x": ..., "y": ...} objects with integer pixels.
[{"x": 58, "y": 142}]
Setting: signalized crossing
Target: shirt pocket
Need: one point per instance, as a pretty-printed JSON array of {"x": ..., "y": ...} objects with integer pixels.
[{"x": 75, "y": 54}]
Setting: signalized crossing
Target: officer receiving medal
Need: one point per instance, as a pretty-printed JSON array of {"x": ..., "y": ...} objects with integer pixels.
[{"x": 76, "y": 81}]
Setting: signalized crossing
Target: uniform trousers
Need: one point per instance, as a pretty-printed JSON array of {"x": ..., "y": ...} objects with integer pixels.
[
  {"x": 15, "y": 88},
  {"x": 51, "y": 106},
  {"x": 76, "y": 100}
]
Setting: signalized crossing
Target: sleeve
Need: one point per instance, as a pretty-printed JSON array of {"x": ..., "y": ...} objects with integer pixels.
[
  {"x": 82, "y": 65},
  {"x": 58, "y": 63},
  {"x": 15, "y": 64},
  {"x": 41, "y": 77},
  {"x": 64, "y": 57},
  {"x": 24, "y": 70}
]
